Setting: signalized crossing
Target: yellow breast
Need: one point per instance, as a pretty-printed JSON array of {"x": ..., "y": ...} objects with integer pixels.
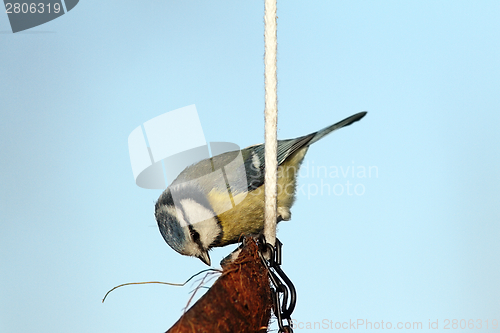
[{"x": 247, "y": 217}]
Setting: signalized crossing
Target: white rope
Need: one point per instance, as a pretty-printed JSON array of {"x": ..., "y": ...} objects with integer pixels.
[{"x": 271, "y": 120}]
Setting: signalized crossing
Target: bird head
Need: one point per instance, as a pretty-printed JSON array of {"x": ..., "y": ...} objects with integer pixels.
[{"x": 187, "y": 222}]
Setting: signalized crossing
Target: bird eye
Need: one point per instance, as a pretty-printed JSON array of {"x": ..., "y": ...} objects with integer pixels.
[{"x": 195, "y": 235}]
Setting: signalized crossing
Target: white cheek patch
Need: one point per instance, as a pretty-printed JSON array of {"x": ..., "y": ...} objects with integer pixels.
[
  {"x": 191, "y": 249},
  {"x": 208, "y": 230},
  {"x": 195, "y": 212},
  {"x": 203, "y": 221}
]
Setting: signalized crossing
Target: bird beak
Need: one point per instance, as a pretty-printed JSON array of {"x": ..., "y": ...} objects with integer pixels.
[{"x": 205, "y": 258}]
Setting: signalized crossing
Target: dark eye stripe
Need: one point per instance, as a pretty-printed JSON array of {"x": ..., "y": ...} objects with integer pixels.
[{"x": 195, "y": 236}]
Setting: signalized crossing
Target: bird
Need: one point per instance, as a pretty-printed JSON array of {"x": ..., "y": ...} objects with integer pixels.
[{"x": 215, "y": 201}]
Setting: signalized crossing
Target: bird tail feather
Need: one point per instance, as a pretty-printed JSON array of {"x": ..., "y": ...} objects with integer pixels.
[{"x": 346, "y": 122}]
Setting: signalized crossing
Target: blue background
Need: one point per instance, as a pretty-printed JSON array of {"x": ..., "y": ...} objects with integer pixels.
[{"x": 420, "y": 243}]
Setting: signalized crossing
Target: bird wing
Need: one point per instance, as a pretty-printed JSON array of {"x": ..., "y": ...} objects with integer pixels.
[
  {"x": 245, "y": 172},
  {"x": 254, "y": 155},
  {"x": 255, "y": 163}
]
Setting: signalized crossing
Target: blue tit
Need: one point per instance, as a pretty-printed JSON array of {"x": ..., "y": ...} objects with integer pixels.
[{"x": 202, "y": 208}]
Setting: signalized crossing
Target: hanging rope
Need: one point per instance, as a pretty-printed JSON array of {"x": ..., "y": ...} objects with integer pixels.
[{"x": 271, "y": 120}]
